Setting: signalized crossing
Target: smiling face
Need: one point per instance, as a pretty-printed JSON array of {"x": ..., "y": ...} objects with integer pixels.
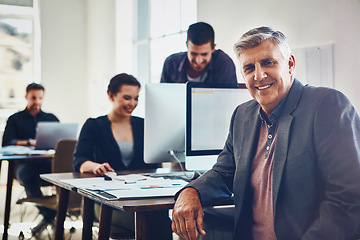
[
  {"x": 267, "y": 74},
  {"x": 34, "y": 99},
  {"x": 199, "y": 56},
  {"x": 125, "y": 101}
]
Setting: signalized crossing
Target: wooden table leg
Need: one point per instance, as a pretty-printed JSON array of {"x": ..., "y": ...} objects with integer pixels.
[
  {"x": 105, "y": 222},
  {"x": 10, "y": 179},
  {"x": 141, "y": 225},
  {"x": 88, "y": 218},
  {"x": 61, "y": 213}
]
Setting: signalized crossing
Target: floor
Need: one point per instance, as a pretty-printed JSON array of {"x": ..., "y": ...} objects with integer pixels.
[{"x": 19, "y": 223}]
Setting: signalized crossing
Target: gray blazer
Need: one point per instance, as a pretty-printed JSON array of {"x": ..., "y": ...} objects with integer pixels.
[{"x": 316, "y": 172}]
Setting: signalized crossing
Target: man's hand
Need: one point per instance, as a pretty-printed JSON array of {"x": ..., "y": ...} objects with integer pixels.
[
  {"x": 28, "y": 142},
  {"x": 32, "y": 142},
  {"x": 188, "y": 214}
]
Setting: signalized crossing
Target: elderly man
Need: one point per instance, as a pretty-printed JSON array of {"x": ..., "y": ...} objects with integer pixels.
[{"x": 291, "y": 158}]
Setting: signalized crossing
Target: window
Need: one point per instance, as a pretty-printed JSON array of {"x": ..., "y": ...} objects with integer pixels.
[
  {"x": 161, "y": 31},
  {"x": 17, "y": 55}
]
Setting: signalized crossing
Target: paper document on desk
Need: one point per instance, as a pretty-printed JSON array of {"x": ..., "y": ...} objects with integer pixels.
[
  {"x": 128, "y": 186},
  {"x": 99, "y": 183},
  {"x": 144, "y": 189},
  {"x": 94, "y": 183},
  {"x": 22, "y": 150}
]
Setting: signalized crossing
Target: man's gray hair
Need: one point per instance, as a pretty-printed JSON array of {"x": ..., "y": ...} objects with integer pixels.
[{"x": 256, "y": 36}]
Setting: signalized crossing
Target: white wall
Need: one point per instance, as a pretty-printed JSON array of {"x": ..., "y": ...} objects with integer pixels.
[
  {"x": 63, "y": 58},
  {"x": 81, "y": 52},
  {"x": 305, "y": 23},
  {"x": 100, "y": 35}
]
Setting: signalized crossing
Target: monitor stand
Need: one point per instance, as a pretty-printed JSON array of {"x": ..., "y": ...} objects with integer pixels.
[{"x": 200, "y": 163}]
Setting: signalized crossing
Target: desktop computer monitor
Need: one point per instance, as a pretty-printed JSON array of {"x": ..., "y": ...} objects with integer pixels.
[
  {"x": 164, "y": 122},
  {"x": 209, "y": 108}
]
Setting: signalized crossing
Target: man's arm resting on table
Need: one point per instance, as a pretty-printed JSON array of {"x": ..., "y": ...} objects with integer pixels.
[
  {"x": 188, "y": 214},
  {"x": 26, "y": 142}
]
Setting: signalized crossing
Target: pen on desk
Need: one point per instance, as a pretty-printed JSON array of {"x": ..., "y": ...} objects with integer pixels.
[
  {"x": 155, "y": 186},
  {"x": 114, "y": 189},
  {"x": 132, "y": 182}
]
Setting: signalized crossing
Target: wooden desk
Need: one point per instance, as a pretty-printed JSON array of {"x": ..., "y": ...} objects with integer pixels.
[
  {"x": 65, "y": 189},
  {"x": 12, "y": 160},
  {"x": 141, "y": 208}
]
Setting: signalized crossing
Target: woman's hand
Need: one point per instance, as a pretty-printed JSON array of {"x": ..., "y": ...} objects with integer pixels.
[{"x": 99, "y": 169}]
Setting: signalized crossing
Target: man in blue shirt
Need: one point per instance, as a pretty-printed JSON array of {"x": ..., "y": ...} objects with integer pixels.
[
  {"x": 20, "y": 130},
  {"x": 201, "y": 63}
]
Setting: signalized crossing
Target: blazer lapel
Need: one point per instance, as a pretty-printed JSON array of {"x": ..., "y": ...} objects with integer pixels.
[
  {"x": 249, "y": 133},
  {"x": 281, "y": 147},
  {"x": 282, "y": 137},
  {"x": 249, "y": 138},
  {"x": 248, "y": 145}
]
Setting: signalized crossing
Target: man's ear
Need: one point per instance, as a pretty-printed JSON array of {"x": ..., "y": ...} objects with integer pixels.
[
  {"x": 213, "y": 49},
  {"x": 291, "y": 64},
  {"x": 111, "y": 96}
]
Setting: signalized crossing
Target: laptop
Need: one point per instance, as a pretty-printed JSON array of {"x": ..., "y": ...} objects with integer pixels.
[{"x": 49, "y": 133}]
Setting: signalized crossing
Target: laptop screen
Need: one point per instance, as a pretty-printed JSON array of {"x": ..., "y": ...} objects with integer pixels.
[{"x": 49, "y": 133}]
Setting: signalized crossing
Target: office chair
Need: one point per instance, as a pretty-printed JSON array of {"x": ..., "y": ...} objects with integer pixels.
[{"x": 61, "y": 162}]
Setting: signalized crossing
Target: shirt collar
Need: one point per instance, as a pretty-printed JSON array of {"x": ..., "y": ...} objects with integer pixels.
[
  {"x": 40, "y": 113},
  {"x": 275, "y": 115}
]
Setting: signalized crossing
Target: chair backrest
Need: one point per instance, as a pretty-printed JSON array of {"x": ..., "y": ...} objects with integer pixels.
[
  {"x": 62, "y": 162},
  {"x": 63, "y": 157}
]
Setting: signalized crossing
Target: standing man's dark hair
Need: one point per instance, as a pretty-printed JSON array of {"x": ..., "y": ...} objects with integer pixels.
[
  {"x": 200, "y": 33},
  {"x": 34, "y": 86}
]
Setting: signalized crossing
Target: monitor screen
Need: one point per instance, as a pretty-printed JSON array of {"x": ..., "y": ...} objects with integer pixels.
[
  {"x": 164, "y": 122},
  {"x": 209, "y": 108}
]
